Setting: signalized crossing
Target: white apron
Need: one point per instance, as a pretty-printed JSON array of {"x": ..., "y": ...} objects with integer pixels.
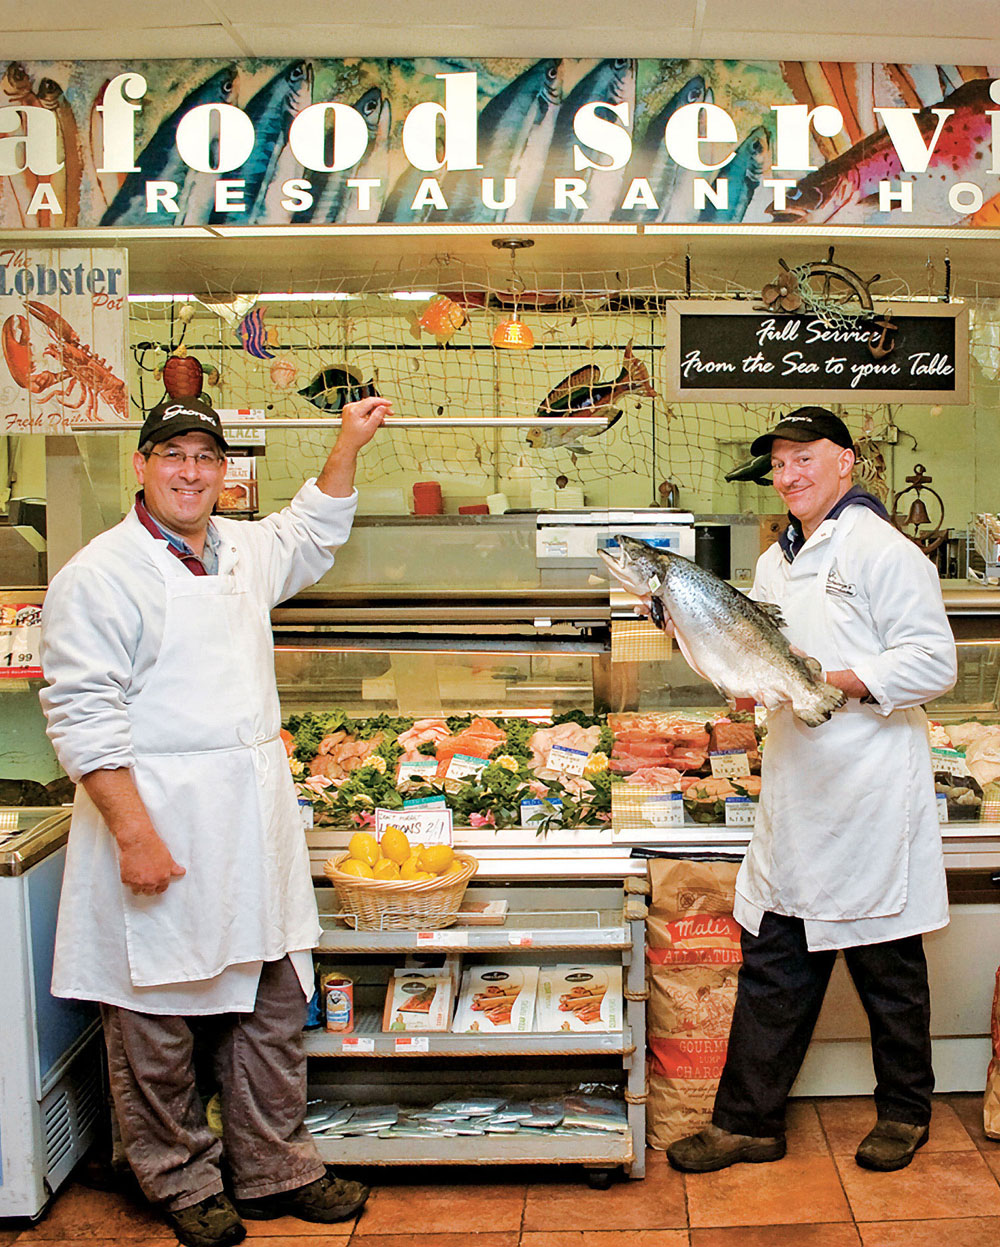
[
  {"x": 831, "y": 841},
  {"x": 213, "y": 774}
]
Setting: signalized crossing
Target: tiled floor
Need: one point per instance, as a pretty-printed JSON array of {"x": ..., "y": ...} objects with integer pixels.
[{"x": 816, "y": 1197}]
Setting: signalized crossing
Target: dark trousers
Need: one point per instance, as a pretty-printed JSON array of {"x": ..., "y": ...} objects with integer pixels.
[
  {"x": 261, "y": 1069},
  {"x": 779, "y": 994}
]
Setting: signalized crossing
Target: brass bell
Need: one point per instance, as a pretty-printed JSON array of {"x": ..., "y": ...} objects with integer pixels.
[{"x": 918, "y": 514}]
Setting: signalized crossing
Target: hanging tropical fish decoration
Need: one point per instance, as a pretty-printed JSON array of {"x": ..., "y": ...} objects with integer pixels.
[
  {"x": 330, "y": 389},
  {"x": 254, "y": 336},
  {"x": 442, "y": 318}
]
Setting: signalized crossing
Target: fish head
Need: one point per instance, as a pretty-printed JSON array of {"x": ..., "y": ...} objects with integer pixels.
[
  {"x": 49, "y": 92},
  {"x": 370, "y": 107},
  {"x": 550, "y": 90},
  {"x": 536, "y": 437},
  {"x": 222, "y": 86},
  {"x": 637, "y": 566},
  {"x": 817, "y": 198}
]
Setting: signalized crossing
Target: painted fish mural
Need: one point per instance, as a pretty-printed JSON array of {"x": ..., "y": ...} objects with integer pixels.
[
  {"x": 583, "y": 394},
  {"x": 525, "y": 138},
  {"x": 160, "y": 160},
  {"x": 334, "y": 386}
]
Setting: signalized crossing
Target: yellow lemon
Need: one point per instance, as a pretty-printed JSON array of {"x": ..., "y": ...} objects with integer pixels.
[
  {"x": 360, "y": 870},
  {"x": 409, "y": 869},
  {"x": 436, "y": 858},
  {"x": 384, "y": 869},
  {"x": 395, "y": 845},
  {"x": 455, "y": 868},
  {"x": 363, "y": 848}
]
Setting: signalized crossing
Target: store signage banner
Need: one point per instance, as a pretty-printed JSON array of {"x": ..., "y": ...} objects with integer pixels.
[
  {"x": 717, "y": 354},
  {"x": 63, "y": 332},
  {"x": 451, "y": 140}
]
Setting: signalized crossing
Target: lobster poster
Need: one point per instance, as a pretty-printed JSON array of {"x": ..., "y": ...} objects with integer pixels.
[{"x": 63, "y": 333}]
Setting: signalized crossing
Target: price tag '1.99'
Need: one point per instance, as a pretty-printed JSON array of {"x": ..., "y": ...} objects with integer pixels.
[{"x": 20, "y": 642}]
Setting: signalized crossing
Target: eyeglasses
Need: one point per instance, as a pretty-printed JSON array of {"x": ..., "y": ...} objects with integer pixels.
[{"x": 175, "y": 458}]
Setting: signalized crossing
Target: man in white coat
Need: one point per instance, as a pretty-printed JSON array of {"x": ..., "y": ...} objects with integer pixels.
[
  {"x": 846, "y": 852},
  {"x": 187, "y": 904}
]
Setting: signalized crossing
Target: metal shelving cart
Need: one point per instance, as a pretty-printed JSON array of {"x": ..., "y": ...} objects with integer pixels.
[{"x": 575, "y": 919}]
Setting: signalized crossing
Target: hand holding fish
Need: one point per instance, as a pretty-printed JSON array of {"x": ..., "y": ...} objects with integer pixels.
[
  {"x": 645, "y": 609},
  {"x": 845, "y": 680}
]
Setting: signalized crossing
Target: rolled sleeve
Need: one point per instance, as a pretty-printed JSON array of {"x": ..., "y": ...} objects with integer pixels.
[
  {"x": 90, "y": 633},
  {"x": 304, "y": 538},
  {"x": 918, "y": 660}
]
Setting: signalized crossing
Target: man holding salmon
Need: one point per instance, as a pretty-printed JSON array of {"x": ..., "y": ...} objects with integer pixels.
[
  {"x": 187, "y": 906},
  {"x": 846, "y": 851}
]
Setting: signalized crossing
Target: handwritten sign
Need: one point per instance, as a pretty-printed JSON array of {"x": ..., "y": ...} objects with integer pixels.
[{"x": 718, "y": 352}]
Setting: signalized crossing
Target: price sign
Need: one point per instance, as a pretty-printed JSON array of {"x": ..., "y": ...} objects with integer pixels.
[
  {"x": 729, "y": 763},
  {"x": 419, "y": 771},
  {"x": 520, "y": 939},
  {"x": 357, "y": 1043},
  {"x": 949, "y": 761},
  {"x": 421, "y": 824},
  {"x": 942, "y": 807},
  {"x": 20, "y": 642},
  {"x": 567, "y": 761},
  {"x": 443, "y": 939},
  {"x": 412, "y": 1043},
  {"x": 739, "y": 812},
  {"x": 464, "y": 766},
  {"x": 664, "y": 809}
]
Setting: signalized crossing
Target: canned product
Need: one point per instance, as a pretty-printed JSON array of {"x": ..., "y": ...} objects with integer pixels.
[{"x": 338, "y": 1002}]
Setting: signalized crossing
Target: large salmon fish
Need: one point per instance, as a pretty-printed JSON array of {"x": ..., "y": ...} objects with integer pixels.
[{"x": 730, "y": 639}]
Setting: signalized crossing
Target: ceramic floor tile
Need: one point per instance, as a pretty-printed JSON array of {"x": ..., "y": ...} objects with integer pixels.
[
  {"x": 956, "y": 1232},
  {"x": 292, "y": 1228},
  {"x": 993, "y": 1160},
  {"x": 466, "y": 1209},
  {"x": 470, "y": 1238},
  {"x": 846, "y": 1122},
  {"x": 331, "y": 1238},
  {"x": 797, "y": 1190},
  {"x": 833, "y": 1234},
  {"x": 79, "y": 1212},
  {"x": 934, "y": 1186},
  {"x": 803, "y": 1129},
  {"x": 968, "y": 1107},
  {"x": 602, "y": 1238},
  {"x": 29, "y": 1238},
  {"x": 656, "y": 1203}
]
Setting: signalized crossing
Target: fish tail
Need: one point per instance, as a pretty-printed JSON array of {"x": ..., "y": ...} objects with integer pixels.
[
  {"x": 815, "y": 709},
  {"x": 635, "y": 372}
]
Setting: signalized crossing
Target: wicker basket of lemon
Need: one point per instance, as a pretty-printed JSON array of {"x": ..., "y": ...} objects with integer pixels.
[{"x": 392, "y": 885}]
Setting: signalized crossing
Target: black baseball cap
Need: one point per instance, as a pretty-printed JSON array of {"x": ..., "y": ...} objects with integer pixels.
[
  {"x": 805, "y": 424},
  {"x": 173, "y": 417}
]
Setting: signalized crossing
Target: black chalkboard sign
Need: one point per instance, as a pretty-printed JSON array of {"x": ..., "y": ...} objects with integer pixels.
[{"x": 718, "y": 353}]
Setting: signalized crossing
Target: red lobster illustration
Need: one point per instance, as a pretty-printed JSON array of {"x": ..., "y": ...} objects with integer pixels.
[{"x": 84, "y": 376}]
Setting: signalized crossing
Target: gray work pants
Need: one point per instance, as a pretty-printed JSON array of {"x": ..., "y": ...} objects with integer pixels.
[{"x": 261, "y": 1070}]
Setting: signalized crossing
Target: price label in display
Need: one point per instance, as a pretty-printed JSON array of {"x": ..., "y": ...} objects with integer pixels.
[
  {"x": 20, "y": 642},
  {"x": 949, "y": 761},
  {"x": 443, "y": 939},
  {"x": 534, "y": 809},
  {"x": 464, "y": 766},
  {"x": 664, "y": 809},
  {"x": 729, "y": 763},
  {"x": 520, "y": 939},
  {"x": 567, "y": 761},
  {"x": 422, "y": 824},
  {"x": 739, "y": 812},
  {"x": 357, "y": 1043},
  {"x": 412, "y": 1043},
  {"x": 419, "y": 771},
  {"x": 942, "y": 807}
]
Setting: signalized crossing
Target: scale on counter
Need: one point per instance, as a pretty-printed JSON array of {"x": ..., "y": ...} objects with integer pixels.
[{"x": 571, "y": 539}]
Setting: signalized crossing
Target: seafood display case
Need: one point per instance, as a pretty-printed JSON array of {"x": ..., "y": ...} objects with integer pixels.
[{"x": 451, "y": 647}]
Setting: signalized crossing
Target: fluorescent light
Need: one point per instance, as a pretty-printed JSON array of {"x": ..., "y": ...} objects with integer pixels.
[
  {"x": 401, "y": 230},
  {"x": 275, "y": 296},
  {"x": 414, "y": 294}
]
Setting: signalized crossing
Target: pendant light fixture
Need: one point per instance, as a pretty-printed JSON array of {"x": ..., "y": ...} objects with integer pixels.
[{"x": 513, "y": 334}]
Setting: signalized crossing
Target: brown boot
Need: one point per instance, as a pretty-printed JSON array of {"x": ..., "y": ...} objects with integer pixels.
[
  {"x": 890, "y": 1145},
  {"x": 713, "y": 1148},
  {"x": 324, "y": 1200},
  {"x": 212, "y": 1222}
]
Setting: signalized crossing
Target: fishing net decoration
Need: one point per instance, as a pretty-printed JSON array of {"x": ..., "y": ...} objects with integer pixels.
[{"x": 657, "y": 452}]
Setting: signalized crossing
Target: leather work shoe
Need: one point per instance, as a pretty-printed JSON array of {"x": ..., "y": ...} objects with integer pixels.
[
  {"x": 713, "y": 1148},
  {"x": 324, "y": 1200},
  {"x": 212, "y": 1222},
  {"x": 890, "y": 1145}
]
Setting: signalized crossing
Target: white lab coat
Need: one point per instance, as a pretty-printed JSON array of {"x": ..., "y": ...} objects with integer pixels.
[
  {"x": 172, "y": 676},
  {"x": 847, "y": 834}
]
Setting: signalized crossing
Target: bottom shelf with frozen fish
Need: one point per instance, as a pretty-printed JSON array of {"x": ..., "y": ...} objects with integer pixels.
[{"x": 518, "y": 1042}]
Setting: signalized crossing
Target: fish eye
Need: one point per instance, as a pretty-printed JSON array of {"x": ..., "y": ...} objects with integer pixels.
[
  {"x": 621, "y": 62},
  {"x": 552, "y": 71}
]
